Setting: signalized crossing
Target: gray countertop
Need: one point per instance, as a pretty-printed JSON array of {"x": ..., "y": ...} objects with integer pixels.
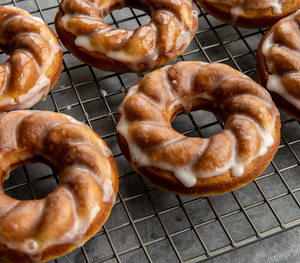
[{"x": 280, "y": 248}]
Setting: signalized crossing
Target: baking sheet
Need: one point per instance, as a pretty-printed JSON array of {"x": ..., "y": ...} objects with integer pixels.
[{"x": 147, "y": 224}]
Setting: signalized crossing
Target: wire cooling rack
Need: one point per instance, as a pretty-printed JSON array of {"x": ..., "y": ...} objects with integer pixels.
[{"x": 147, "y": 224}]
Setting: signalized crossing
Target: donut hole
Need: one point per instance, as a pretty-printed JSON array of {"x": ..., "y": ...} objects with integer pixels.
[
  {"x": 30, "y": 182},
  {"x": 3, "y": 57},
  {"x": 199, "y": 123},
  {"x": 128, "y": 18},
  {"x": 197, "y": 118}
]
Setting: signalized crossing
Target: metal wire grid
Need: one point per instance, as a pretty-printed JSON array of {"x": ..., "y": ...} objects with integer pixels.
[{"x": 147, "y": 224}]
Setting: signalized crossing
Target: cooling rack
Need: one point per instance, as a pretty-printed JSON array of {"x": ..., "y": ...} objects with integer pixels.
[{"x": 147, "y": 224}]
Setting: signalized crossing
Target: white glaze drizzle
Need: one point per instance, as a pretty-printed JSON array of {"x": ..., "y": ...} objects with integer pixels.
[
  {"x": 186, "y": 174},
  {"x": 274, "y": 84}
]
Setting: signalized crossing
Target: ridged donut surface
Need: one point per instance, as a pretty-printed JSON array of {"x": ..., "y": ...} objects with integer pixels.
[
  {"x": 82, "y": 30},
  {"x": 44, "y": 229},
  {"x": 250, "y": 13},
  {"x": 278, "y": 65},
  {"x": 35, "y": 59},
  {"x": 198, "y": 166}
]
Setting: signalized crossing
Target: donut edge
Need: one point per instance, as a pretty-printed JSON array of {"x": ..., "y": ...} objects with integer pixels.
[
  {"x": 53, "y": 73},
  {"x": 213, "y": 186},
  {"x": 99, "y": 61},
  {"x": 55, "y": 251},
  {"x": 222, "y": 12}
]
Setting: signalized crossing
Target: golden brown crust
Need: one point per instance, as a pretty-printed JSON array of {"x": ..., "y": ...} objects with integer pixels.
[
  {"x": 149, "y": 134},
  {"x": 287, "y": 37},
  {"x": 251, "y": 18},
  {"x": 35, "y": 60},
  {"x": 88, "y": 182},
  {"x": 124, "y": 50}
]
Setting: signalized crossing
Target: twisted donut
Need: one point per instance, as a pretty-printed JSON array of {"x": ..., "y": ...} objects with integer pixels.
[
  {"x": 250, "y": 13},
  {"x": 82, "y": 30},
  {"x": 35, "y": 59},
  {"x": 197, "y": 166},
  {"x": 41, "y": 230},
  {"x": 277, "y": 63}
]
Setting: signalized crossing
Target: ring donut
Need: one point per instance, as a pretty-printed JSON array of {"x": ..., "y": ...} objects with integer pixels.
[
  {"x": 250, "y": 13},
  {"x": 83, "y": 32},
  {"x": 277, "y": 64},
  {"x": 41, "y": 230},
  {"x": 35, "y": 60},
  {"x": 198, "y": 166}
]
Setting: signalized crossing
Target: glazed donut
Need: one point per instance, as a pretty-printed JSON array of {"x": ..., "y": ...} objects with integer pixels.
[
  {"x": 41, "y": 230},
  {"x": 81, "y": 28},
  {"x": 250, "y": 13},
  {"x": 277, "y": 63},
  {"x": 35, "y": 60},
  {"x": 198, "y": 166}
]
